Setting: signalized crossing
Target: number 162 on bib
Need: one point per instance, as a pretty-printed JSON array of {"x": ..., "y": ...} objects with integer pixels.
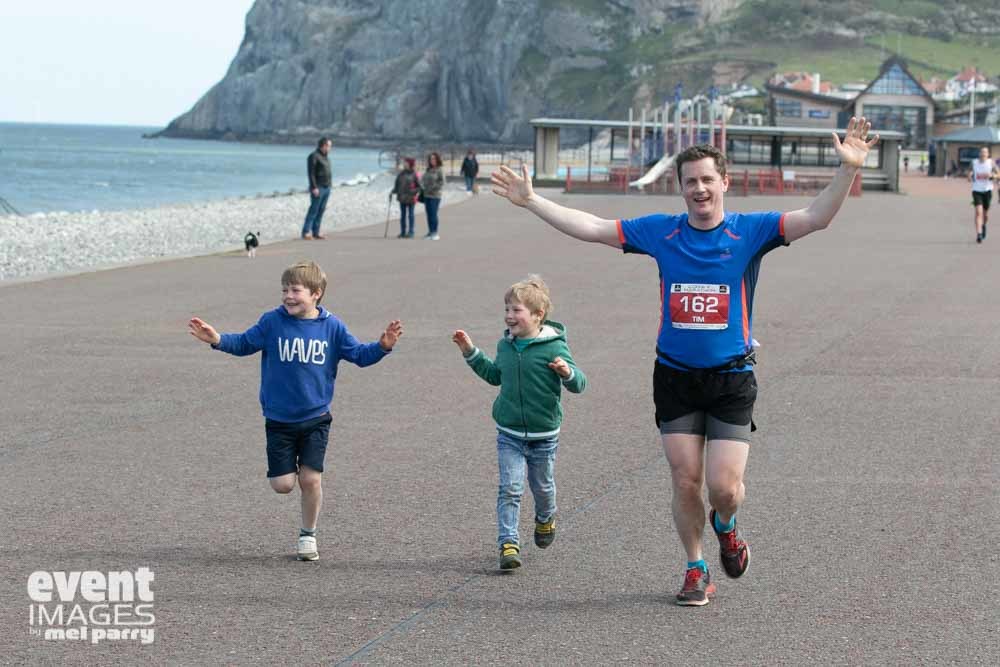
[{"x": 697, "y": 306}]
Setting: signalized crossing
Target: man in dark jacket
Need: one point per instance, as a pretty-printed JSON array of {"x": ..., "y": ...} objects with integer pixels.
[
  {"x": 470, "y": 169},
  {"x": 319, "y": 188}
]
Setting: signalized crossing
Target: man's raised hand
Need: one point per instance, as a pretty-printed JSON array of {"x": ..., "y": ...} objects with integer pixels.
[
  {"x": 854, "y": 148},
  {"x": 507, "y": 183}
]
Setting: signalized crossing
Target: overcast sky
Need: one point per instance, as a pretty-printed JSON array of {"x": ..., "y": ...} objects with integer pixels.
[{"x": 113, "y": 62}]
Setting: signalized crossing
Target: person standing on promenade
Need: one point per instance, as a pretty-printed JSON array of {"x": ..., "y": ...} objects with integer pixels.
[
  {"x": 432, "y": 184},
  {"x": 318, "y": 167},
  {"x": 470, "y": 169},
  {"x": 406, "y": 188},
  {"x": 984, "y": 172},
  {"x": 703, "y": 383}
]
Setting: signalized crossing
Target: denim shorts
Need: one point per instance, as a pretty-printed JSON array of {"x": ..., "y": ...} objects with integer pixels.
[{"x": 294, "y": 444}]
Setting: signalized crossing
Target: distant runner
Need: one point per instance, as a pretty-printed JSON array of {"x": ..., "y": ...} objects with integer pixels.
[{"x": 984, "y": 172}]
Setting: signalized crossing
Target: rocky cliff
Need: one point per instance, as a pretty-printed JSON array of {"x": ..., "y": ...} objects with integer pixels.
[
  {"x": 397, "y": 69},
  {"x": 477, "y": 70}
]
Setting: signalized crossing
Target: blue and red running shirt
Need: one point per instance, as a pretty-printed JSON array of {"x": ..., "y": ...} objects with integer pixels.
[{"x": 707, "y": 281}]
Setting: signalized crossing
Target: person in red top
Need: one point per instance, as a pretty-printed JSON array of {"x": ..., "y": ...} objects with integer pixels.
[{"x": 704, "y": 404}]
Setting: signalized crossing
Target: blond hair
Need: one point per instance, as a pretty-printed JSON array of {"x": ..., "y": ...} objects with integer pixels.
[
  {"x": 307, "y": 274},
  {"x": 531, "y": 292}
]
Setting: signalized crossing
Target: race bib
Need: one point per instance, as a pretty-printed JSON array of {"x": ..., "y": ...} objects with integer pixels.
[{"x": 694, "y": 306}]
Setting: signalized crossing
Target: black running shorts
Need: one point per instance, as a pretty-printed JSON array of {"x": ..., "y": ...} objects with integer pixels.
[
  {"x": 716, "y": 405},
  {"x": 291, "y": 445},
  {"x": 982, "y": 199}
]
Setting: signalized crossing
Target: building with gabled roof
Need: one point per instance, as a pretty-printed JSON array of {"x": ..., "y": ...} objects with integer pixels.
[{"x": 894, "y": 100}]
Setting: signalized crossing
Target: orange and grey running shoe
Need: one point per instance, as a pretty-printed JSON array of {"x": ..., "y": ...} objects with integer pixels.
[{"x": 697, "y": 589}]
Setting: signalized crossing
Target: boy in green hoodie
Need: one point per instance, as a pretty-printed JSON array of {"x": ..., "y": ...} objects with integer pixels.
[{"x": 532, "y": 365}]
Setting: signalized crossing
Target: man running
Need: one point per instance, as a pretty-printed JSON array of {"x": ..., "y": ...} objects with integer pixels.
[
  {"x": 983, "y": 173},
  {"x": 704, "y": 387}
]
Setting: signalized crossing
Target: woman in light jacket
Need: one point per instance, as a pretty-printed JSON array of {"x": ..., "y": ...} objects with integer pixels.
[{"x": 432, "y": 183}]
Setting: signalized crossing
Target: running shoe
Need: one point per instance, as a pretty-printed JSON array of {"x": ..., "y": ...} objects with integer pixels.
[
  {"x": 733, "y": 550},
  {"x": 307, "y": 548},
  {"x": 697, "y": 589},
  {"x": 545, "y": 533},
  {"x": 979, "y": 238},
  {"x": 510, "y": 557}
]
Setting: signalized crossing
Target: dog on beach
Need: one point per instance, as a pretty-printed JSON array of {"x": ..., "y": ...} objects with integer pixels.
[{"x": 251, "y": 241}]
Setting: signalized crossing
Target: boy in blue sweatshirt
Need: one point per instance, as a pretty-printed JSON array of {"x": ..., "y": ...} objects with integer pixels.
[{"x": 301, "y": 344}]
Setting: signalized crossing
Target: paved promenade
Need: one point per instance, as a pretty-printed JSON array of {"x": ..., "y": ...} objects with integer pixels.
[{"x": 872, "y": 485}]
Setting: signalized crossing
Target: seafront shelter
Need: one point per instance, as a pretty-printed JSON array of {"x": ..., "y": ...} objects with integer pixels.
[
  {"x": 794, "y": 156},
  {"x": 957, "y": 150}
]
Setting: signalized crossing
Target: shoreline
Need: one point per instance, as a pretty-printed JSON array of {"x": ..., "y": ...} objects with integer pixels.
[
  {"x": 303, "y": 138},
  {"x": 48, "y": 246}
]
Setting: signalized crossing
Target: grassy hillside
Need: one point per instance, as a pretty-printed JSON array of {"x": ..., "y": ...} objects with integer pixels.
[{"x": 846, "y": 41}]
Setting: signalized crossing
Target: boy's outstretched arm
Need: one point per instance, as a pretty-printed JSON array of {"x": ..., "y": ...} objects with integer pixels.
[
  {"x": 366, "y": 354},
  {"x": 240, "y": 345},
  {"x": 578, "y": 224},
  {"x": 818, "y": 215},
  {"x": 482, "y": 365}
]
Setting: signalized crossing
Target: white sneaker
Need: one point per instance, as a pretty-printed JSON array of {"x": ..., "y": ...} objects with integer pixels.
[
  {"x": 435, "y": 237},
  {"x": 307, "y": 548}
]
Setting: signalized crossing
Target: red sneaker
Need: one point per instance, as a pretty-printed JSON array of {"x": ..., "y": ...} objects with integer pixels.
[{"x": 733, "y": 550}]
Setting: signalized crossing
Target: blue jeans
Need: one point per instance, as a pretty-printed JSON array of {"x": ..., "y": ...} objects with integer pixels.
[
  {"x": 469, "y": 180},
  {"x": 404, "y": 210},
  {"x": 514, "y": 456},
  {"x": 431, "y": 205},
  {"x": 317, "y": 204}
]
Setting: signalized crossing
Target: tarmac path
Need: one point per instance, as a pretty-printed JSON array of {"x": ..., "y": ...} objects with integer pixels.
[{"x": 872, "y": 485}]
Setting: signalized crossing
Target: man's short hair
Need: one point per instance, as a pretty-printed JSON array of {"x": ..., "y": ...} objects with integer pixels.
[
  {"x": 308, "y": 274},
  {"x": 323, "y": 140},
  {"x": 700, "y": 152}
]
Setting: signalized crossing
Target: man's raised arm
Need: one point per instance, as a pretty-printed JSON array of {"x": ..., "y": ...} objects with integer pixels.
[
  {"x": 852, "y": 151},
  {"x": 578, "y": 224}
]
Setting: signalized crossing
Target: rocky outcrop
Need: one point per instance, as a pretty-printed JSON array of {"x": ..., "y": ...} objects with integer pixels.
[{"x": 395, "y": 69}]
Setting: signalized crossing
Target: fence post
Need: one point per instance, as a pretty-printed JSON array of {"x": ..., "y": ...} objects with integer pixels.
[{"x": 569, "y": 178}]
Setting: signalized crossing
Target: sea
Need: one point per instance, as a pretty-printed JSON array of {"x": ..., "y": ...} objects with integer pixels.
[{"x": 52, "y": 168}]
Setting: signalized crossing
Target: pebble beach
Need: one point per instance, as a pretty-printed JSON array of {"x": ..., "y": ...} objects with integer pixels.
[{"x": 56, "y": 243}]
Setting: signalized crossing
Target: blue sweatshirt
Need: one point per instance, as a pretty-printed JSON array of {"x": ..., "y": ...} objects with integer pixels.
[{"x": 298, "y": 362}]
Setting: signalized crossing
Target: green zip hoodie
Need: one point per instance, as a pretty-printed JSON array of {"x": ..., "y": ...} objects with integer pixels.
[{"x": 528, "y": 405}]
